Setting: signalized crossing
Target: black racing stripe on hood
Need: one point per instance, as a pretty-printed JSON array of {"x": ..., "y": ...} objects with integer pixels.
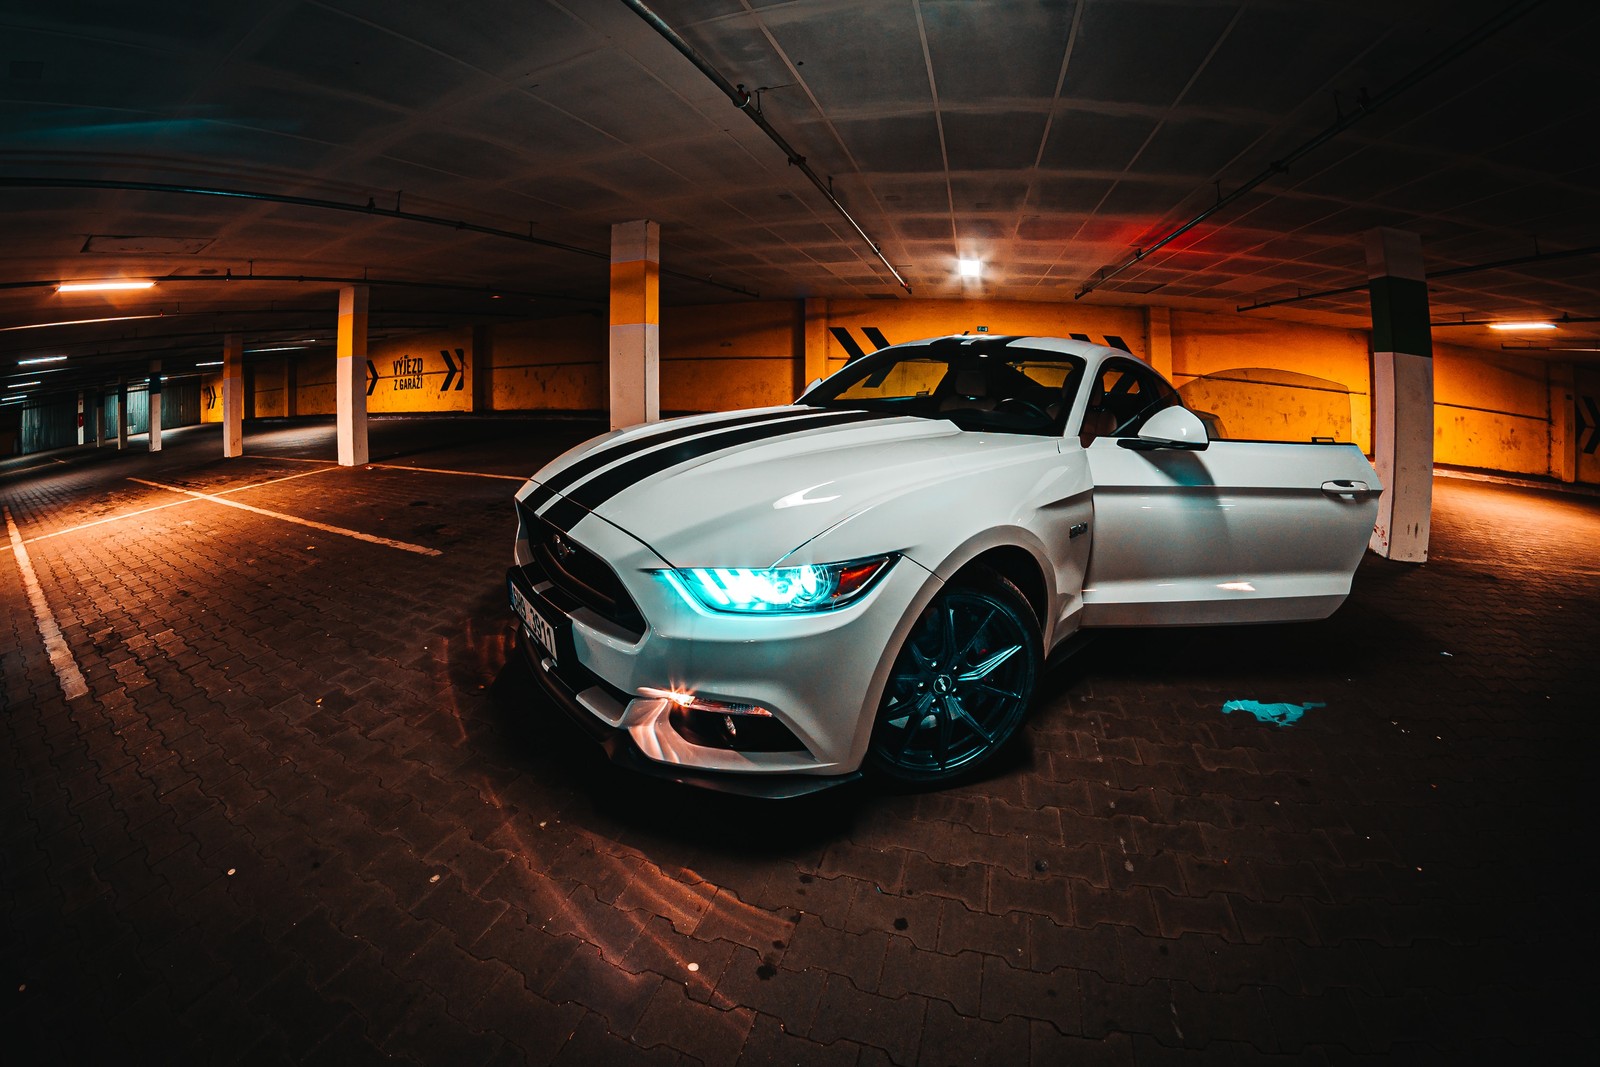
[
  {"x": 556, "y": 483},
  {"x": 566, "y": 511}
]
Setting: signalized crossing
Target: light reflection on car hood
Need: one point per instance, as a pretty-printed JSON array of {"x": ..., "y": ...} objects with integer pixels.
[{"x": 753, "y": 505}]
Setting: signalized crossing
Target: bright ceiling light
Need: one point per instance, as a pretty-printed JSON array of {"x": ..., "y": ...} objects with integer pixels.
[
  {"x": 39, "y": 359},
  {"x": 21, "y": 385},
  {"x": 1522, "y": 326},
  {"x": 969, "y": 268},
  {"x": 217, "y": 363},
  {"x": 13, "y": 399},
  {"x": 95, "y": 287}
]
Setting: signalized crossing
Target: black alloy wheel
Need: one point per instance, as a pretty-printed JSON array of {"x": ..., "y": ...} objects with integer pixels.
[{"x": 961, "y": 684}]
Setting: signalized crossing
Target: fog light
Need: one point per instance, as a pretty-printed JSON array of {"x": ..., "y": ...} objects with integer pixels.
[{"x": 694, "y": 702}]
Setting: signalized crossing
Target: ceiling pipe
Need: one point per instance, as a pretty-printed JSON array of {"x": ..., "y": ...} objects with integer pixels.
[
  {"x": 369, "y": 208},
  {"x": 381, "y": 283},
  {"x": 1499, "y": 264},
  {"x": 1280, "y": 166},
  {"x": 742, "y": 100}
]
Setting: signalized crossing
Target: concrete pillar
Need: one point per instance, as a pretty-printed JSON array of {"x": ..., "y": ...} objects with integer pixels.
[
  {"x": 1158, "y": 331},
  {"x": 1402, "y": 394},
  {"x": 1563, "y": 424},
  {"x": 82, "y": 429},
  {"x": 350, "y": 376},
  {"x": 99, "y": 419},
  {"x": 814, "y": 358},
  {"x": 635, "y": 323},
  {"x": 232, "y": 396},
  {"x": 122, "y": 414},
  {"x": 153, "y": 394}
]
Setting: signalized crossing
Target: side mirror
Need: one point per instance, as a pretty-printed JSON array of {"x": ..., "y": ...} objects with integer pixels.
[
  {"x": 1174, "y": 427},
  {"x": 809, "y": 386}
]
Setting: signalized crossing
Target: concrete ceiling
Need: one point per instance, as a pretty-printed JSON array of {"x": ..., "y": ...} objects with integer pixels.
[{"x": 1048, "y": 139}]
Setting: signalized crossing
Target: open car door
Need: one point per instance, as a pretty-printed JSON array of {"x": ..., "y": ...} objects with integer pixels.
[{"x": 1199, "y": 532}]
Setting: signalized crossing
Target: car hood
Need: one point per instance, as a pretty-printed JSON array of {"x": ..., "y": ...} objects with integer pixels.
[{"x": 759, "y": 502}]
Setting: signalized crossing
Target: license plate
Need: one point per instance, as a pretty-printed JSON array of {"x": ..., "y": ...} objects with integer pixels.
[{"x": 543, "y": 634}]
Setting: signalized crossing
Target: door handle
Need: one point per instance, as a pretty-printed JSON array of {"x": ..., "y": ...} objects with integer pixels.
[{"x": 1346, "y": 488}]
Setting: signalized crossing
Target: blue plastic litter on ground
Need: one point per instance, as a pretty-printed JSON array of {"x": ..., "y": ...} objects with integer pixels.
[{"x": 1277, "y": 714}]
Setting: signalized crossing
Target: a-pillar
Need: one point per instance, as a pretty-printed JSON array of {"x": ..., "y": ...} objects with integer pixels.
[
  {"x": 153, "y": 393},
  {"x": 122, "y": 414},
  {"x": 232, "y": 396},
  {"x": 350, "y": 374},
  {"x": 1402, "y": 394},
  {"x": 635, "y": 323},
  {"x": 82, "y": 429}
]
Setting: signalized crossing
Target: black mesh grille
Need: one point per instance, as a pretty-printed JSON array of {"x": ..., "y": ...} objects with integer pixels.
[{"x": 579, "y": 573}]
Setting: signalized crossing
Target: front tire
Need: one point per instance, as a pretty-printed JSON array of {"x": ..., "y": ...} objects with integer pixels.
[{"x": 961, "y": 683}]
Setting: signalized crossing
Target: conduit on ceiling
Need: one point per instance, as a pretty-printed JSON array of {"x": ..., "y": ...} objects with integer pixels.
[
  {"x": 1451, "y": 272},
  {"x": 742, "y": 101},
  {"x": 1279, "y": 166},
  {"x": 369, "y": 208}
]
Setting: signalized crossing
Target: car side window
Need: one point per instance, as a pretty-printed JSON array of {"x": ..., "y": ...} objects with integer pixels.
[{"x": 1124, "y": 395}]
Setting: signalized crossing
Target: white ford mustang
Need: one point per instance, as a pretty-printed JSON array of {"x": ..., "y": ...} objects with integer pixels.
[{"x": 770, "y": 601}]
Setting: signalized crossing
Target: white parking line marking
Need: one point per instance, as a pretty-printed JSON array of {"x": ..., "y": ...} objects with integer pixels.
[
  {"x": 159, "y": 507},
  {"x": 436, "y": 470},
  {"x": 67, "y": 673},
  {"x": 324, "y": 527}
]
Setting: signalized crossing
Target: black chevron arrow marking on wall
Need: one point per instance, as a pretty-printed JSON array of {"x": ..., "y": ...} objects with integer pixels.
[
  {"x": 853, "y": 350},
  {"x": 451, "y": 374},
  {"x": 372, "y": 377},
  {"x": 1590, "y": 425}
]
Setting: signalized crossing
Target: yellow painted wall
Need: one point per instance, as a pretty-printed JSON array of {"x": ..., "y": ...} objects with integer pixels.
[
  {"x": 317, "y": 393},
  {"x": 1490, "y": 413},
  {"x": 729, "y": 356},
  {"x": 414, "y": 373},
  {"x": 1215, "y": 344},
  {"x": 267, "y": 377},
  {"x": 1296, "y": 380},
  {"x": 549, "y": 365},
  {"x": 211, "y": 398}
]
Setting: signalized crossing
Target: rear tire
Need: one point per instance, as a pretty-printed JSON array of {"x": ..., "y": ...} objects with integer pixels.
[{"x": 960, "y": 685}]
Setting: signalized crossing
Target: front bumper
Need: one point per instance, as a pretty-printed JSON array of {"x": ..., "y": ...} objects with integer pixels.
[
  {"x": 576, "y": 691},
  {"x": 820, "y": 675}
]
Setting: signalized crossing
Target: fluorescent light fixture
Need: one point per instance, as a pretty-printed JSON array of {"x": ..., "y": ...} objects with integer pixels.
[
  {"x": 39, "y": 359},
  {"x": 218, "y": 363},
  {"x": 13, "y": 399},
  {"x": 76, "y": 322},
  {"x": 969, "y": 268},
  {"x": 282, "y": 348},
  {"x": 1522, "y": 326},
  {"x": 21, "y": 385},
  {"x": 96, "y": 287}
]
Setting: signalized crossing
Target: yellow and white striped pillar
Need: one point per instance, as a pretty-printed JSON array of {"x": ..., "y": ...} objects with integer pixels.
[
  {"x": 232, "y": 396},
  {"x": 635, "y": 381},
  {"x": 351, "y": 376}
]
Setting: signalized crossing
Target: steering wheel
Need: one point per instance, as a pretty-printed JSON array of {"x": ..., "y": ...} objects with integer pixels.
[{"x": 1028, "y": 406}]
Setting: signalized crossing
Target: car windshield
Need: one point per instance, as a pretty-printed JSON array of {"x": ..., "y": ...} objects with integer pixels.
[{"x": 993, "y": 388}]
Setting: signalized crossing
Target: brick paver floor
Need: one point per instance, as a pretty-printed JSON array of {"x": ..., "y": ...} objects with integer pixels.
[{"x": 305, "y": 811}]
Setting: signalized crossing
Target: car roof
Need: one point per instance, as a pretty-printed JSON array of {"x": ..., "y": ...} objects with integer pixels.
[{"x": 982, "y": 342}]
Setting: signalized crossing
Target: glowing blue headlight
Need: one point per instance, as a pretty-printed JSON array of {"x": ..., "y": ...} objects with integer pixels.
[{"x": 778, "y": 590}]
